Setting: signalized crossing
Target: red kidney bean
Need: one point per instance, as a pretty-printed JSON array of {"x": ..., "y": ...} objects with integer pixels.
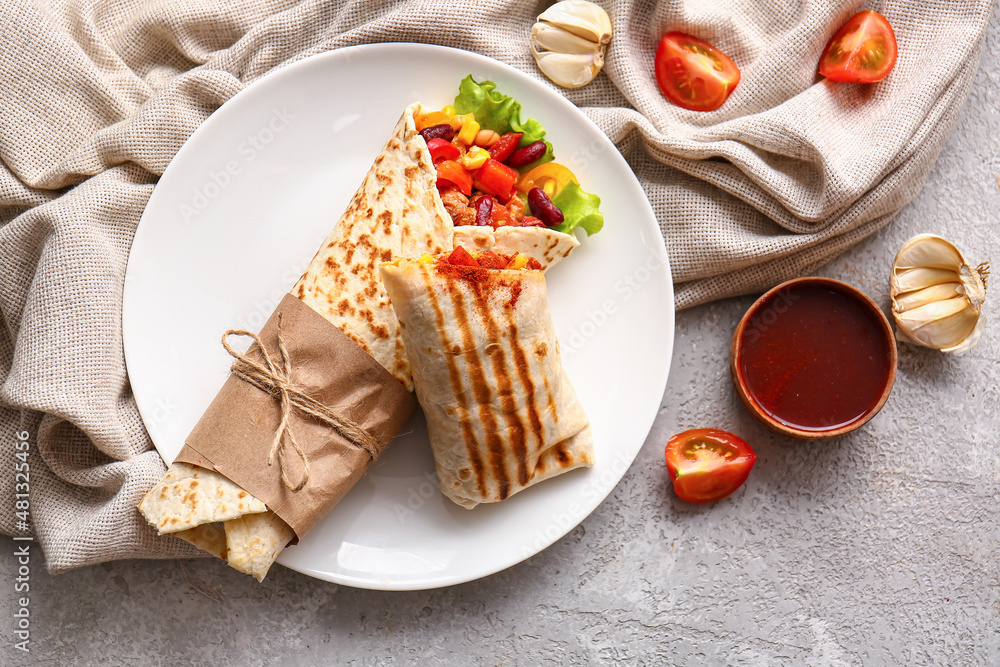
[
  {"x": 543, "y": 208},
  {"x": 484, "y": 208},
  {"x": 526, "y": 155},
  {"x": 442, "y": 131}
]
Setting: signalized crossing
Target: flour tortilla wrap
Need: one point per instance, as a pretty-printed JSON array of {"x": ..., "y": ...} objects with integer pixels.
[
  {"x": 501, "y": 413},
  {"x": 395, "y": 213},
  {"x": 547, "y": 246}
]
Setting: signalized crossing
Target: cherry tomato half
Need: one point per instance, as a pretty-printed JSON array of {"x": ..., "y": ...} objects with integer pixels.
[
  {"x": 707, "y": 464},
  {"x": 693, "y": 74},
  {"x": 862, "y": 51}
]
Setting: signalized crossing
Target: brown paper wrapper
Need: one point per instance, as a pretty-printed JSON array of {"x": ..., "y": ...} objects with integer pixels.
[{"x": 234, "y": 435}]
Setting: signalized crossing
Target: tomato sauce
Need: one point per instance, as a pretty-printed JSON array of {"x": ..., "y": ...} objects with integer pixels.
[{"x": 814, "y": 357}]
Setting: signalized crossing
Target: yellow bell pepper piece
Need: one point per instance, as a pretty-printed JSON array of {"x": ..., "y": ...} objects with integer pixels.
[
  {"x": 551, "y": 177},
  {"x": 438, "y": 118}
]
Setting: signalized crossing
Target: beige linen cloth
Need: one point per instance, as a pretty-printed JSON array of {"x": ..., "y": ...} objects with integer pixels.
[{"x": 97, "y": 96}]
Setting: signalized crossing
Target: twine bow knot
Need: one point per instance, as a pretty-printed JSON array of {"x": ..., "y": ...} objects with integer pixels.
[{"x": 277, "y": 381}]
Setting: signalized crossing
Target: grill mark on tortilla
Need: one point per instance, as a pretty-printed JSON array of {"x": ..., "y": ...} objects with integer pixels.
[
  {"x": 385, "y": 217},
  {"x": 562, "y": 456},
  {"x": 481, "y": 390},
  {"x": 551, "y": 409},
  {"x": 519, "y": 441},
  {"x": 524, "y": 374},
  {"x": 471, "y": 444}
]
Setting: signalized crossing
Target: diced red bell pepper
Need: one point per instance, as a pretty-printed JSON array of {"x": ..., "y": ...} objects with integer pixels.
[
  {"x": 505, "y": 146},
  {"x": 461, "y": 257},
  {"x": 443, "y": 150},
  {"x": 531, "y": 221},
  {"x": 497, "y": 179},
  {"x": 450, "y": 172}
]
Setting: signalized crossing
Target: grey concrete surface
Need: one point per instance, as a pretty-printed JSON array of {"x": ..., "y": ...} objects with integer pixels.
[{"x": 879, "y": 548}]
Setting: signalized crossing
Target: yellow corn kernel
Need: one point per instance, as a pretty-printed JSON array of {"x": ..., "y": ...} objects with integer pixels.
[
  {"x": 448, "y": 110},
  {"x": 519, "y": 262},
  {"x": 475, "y": 158},
  {"x": 426, "y": 258},
  {"x": 549, "y": 187},
  {"x": 467, "y": 135}
]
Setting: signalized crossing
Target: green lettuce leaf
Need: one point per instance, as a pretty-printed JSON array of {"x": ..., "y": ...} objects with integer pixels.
[
  {"x": 579, "y": 209},
  {"x": 495, "y": 111},
  {"x": 502, "y": 113}
]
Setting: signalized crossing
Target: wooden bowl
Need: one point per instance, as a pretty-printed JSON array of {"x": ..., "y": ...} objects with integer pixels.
[{"x": 813, "y": 358}]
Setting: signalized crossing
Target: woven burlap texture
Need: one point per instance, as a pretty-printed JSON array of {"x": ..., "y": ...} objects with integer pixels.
[{"x": 97, "y": 96}]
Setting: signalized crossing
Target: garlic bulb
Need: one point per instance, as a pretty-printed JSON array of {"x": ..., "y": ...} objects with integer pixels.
[
  {"x": 569, "y": 41},
  {"x": 937, "y": 297}
]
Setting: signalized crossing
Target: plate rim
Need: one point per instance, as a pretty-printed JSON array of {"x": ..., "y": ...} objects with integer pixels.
[{"x": 289, "y": 70}]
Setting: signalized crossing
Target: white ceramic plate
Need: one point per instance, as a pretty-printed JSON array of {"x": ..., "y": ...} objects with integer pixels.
[{"x": 245, "y": 204}]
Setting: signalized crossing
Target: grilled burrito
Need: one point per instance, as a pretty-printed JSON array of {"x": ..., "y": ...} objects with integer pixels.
[
  {"x": 501, "y": 413},
  {"x": 395, "y": 213}
]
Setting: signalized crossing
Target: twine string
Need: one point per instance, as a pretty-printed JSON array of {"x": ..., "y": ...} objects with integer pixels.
[{"x": 277, "y": 381}]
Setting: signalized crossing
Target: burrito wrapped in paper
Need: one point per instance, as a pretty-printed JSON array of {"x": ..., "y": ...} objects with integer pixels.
[
  {"x": 206, "y": 496},
  {"x": 501, "y": 413}
]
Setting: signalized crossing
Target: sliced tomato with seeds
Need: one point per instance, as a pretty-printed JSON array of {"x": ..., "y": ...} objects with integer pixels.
[
  {"x": 863, "y": 50},
  {"x": 693, "y": 74},
  {"x": 708, "y": 464}
]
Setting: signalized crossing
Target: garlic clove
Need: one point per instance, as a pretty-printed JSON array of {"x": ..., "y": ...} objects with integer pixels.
[
  {"x": 919, "y": 278},
  {"x": 941, "y": 324},
  {"x": 568, "y": 42},
  {"x": 581, "y": 18},
  {"x": 547, "y": 37},
  {"x": 570, "y": 70},
  {"x": 937, "y": 296},
  {"x": 929, "y": 251},
  {"x": 969, "y": 341},
  {"x": 927, "y": 295}
]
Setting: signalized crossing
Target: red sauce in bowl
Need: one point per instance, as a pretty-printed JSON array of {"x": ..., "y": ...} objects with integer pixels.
[{"x": 815, "y": 356}]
